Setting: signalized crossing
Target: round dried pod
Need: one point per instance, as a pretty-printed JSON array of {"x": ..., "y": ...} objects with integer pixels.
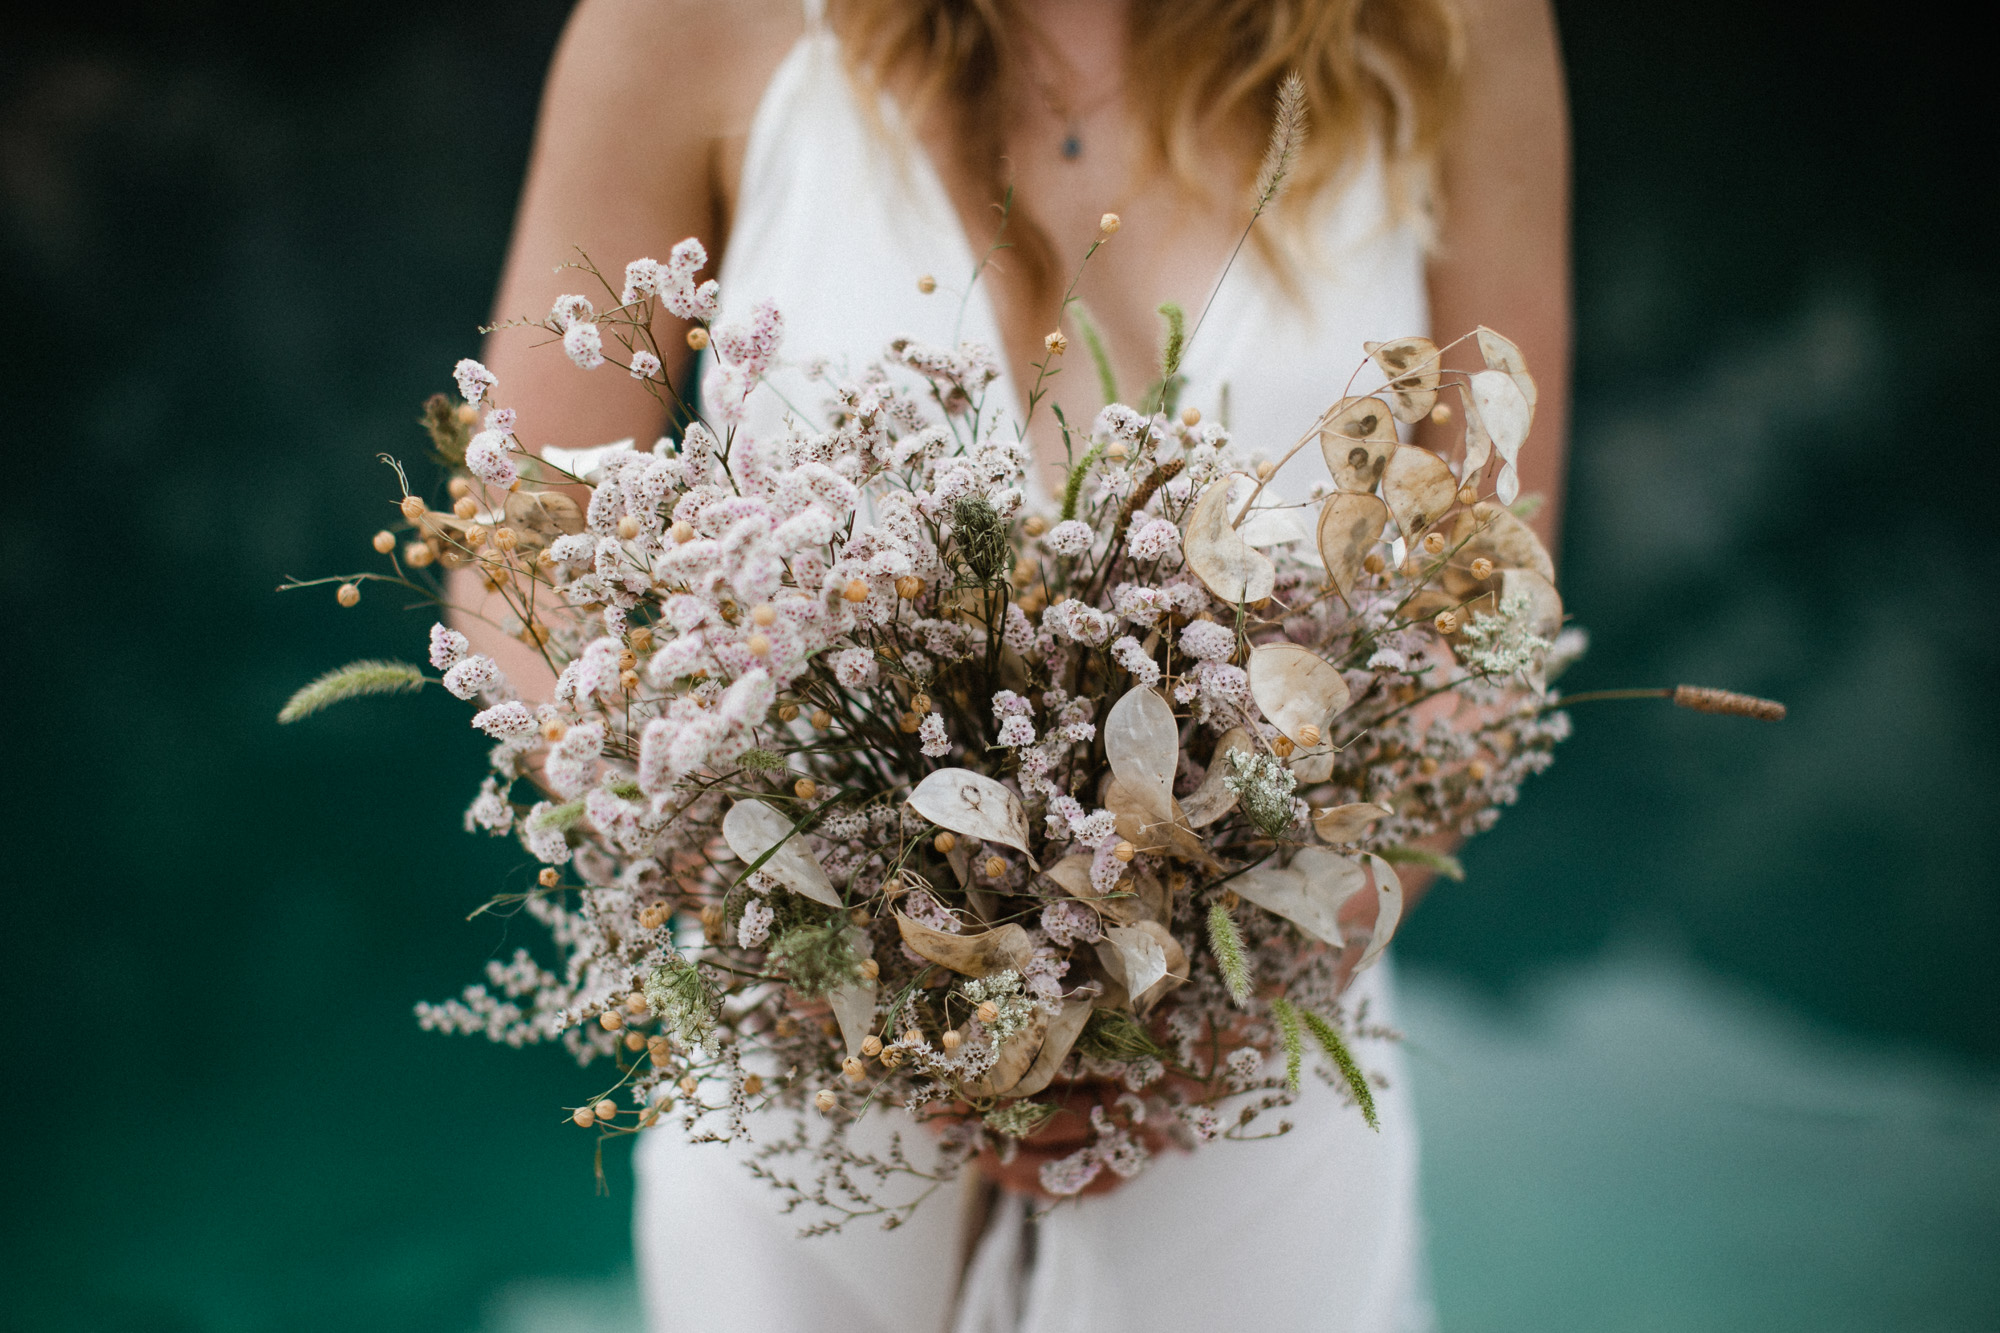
[
  {"x": 1442, "y": 414},
  {"x": 1281, "y": 745},
  {"x": 1468, "y": 494},
  {"x": 854, "y": 1069},
  {"x": 892, "y": 1057},
  {"x": 1056, "y": 343},
  {"x": 914, "y": 1036},
  {"x": 752, "y": 1085},
  {"x": 690, "y": 1085},
  {"x": 627, "y": 660},
  {"x": 628, "y": 681},
  {"x": 1109, "y": 223},
  {"x": 1374, "y": 563},
  {"x": 635, "y": 1005},
  {"x": 418, "y": 555},
  {"x": 870, "y": 969},
  {"x": 635, "y": 1041},
  {"x": 786, "y": 1026},
  {"x": 641, "y": 640},
  {"x": 506, "y": 538},
  {"x": 711, "y": 923},
  {"x": 822, "y": 719},
  {"x": 383, "y": 542},
  {"x": 459, "y": 487},
  {"x": 611, "y": 1020},
  {"x": 413, "y": 508},
  {"x": 1190, "y": 416},
  {"x": 824, "y": 1099},
  {"x": 1308, "y": 735},
  {"x": 1446, "y": 622},
  {"x": 994, "y": 867},
  {"x": 805, "y": 789},
  {"x": 871, "y": 1046},
  {"x": 926, "y": 284},
  {"x": 465, "y": 506},
  {"x": 950, "y": 1041},
  {"x": 1124, "y": 851},
  {"x": 856, "y": 590},
  {"x": 759, "y": 645},
  {"x": 944, "y": 842},
  {"x": 583, "y": 1117},
  {"x": 1434, "y": 543},
  {"x": 1477, "y": 770},
  {"x": 1035, "y": 525},
  {"x": 697, "y": 337},
  {"x": 920, "y": 703},
  {"x": 909, "y": 587},
  {"x": 764, "y": 614},
  {"x": 554, "y": 730},
  {"x": 1427, "y": 765},
  {"x": 347, "y": 594},
  {"x": 1116, "y": 451},
  {"x": 988, "y": 1011},
  {"x": 682, "y": 532},
  {"x": 549, "y": 877},
  {"x": 475, "y": 536},
  {"x": 628, "y": 527},
  {"x": 1482, "y": 568},
  {"x": 660, "y": 1049},
  {"x": 910, "y": 722},
  {"x": 788, "y": 712}
]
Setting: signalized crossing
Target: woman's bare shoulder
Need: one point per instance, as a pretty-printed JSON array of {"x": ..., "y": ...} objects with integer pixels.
[{"x": 692, "y": 68}]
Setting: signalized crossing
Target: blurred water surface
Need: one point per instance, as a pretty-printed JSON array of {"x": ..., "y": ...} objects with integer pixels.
[{"x": 1707, "y": 1040}]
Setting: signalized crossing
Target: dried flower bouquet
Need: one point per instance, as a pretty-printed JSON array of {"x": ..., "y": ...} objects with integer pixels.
[{"x": 872, "y": 779}]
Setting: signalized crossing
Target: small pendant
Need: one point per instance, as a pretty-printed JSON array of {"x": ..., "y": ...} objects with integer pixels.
[{"x": 1072, "y": 146}]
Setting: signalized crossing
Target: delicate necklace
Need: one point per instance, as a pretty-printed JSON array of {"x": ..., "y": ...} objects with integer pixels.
[{"x": 1072, "y": 118}]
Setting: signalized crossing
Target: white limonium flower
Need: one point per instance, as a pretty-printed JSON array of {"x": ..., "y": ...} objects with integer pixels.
[
  {"x": 584, "y": 345},
  {"x": 473, "y": 380}
]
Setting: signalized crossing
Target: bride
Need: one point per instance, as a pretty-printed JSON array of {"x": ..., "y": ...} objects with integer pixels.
[{"x": 859, "y": 162}]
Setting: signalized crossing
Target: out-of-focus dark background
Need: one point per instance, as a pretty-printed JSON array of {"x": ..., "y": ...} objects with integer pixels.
[{"x": 1709, "y": 1040}]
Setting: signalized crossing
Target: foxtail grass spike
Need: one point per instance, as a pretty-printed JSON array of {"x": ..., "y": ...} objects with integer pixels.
[
  {"x": 1703, "y": 699},
  {"x": 1287, "y": 1015},
  {"x": 1329, "y": 1038},
  {"x": 353, "y": 681},
  {"x": 1227, "y": 944}
]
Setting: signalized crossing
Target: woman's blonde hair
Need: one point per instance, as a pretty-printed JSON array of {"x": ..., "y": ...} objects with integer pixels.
[{"x": 1378, "y": 74}]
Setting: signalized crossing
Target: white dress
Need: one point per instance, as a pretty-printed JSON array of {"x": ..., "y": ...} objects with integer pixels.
[{"x": 1318, "y": 1229}]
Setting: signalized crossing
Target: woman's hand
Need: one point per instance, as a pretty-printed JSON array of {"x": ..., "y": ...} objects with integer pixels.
[{"x": 1065, "y": 1132}]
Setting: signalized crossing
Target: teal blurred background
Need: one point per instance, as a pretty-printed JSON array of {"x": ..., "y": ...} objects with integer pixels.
[{"x": 1709, "y": 1040}]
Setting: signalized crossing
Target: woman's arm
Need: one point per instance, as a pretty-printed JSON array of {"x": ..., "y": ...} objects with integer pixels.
[
  {"x": 641, "y": 124},
  {"x": 1503, "y": 247}
]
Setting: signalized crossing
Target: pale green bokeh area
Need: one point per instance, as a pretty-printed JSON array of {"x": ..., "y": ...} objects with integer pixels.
[{"x": 1708, "y": 1040}]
